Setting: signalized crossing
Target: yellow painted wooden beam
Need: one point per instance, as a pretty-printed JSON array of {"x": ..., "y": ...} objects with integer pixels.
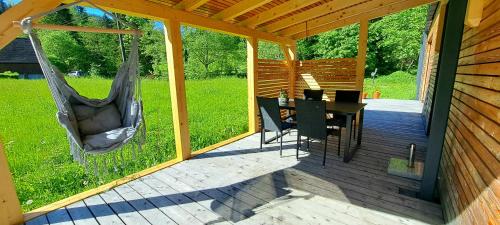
[
  {"x": 338, "y": 15},
  {"x": 276, "y": 12},
  {"x": 239, "y": 9},
  {"x": 311, "y": 13},
  {"x": 10, "y": 207},
  {"x": 290, "y": 53},
  {"x": 474, "y": 13},
  {"x": 371, "y": 14},
  {"x": 18, "y": 12},
  {"x": 361, "y": 58},
  {"x": 440, "y": 25},
  {"x": 173, "y": 40},
  {"x": 252, "y": 76},
  {"x": 190, "y": 5},
  {"x": 157, "y": 11}
]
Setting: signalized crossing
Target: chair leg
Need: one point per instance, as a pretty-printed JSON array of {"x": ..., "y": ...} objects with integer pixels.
[
  {"x": 298, "y": 146},
  {"x": 281, "y": 144},
  {"x": 324, "y": 151},
  {"x": 340, "y": 139},
  {"x": 354, "y": 130},
  {"x": 307, "y": 143},
  {"x": 262, "y": 136}
]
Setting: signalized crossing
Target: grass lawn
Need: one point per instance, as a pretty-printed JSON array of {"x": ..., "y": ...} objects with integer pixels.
[
  {"x": 398, "y": 85},
  {"x": 37, "y": 149}
]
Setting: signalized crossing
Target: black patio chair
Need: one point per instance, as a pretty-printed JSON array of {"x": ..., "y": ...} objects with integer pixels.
[
  {"x": 311, "y": 122},
  {"x": 346, "y": 96},
  {"x": 271, "y": 119},
  {"x": 315, "y": 95}
]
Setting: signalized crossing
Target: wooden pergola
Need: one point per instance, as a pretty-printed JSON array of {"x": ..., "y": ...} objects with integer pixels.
[{"x": 279, "y": 21}]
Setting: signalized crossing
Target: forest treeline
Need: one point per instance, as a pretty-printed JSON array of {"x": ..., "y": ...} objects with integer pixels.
[{"x": 394, "y": 44}]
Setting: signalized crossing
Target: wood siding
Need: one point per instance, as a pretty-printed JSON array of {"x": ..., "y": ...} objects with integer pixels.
[
  {"x": 429, "y": 94},
  {"x": 470, "y": 165},
  {"x": 327, "y": 74}
]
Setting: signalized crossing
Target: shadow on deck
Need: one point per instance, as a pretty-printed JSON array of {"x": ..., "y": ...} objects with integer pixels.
[{"x": 239, "y": 183}]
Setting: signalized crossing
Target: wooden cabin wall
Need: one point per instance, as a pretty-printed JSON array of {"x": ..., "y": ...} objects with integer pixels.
[
  {"x": 470, "y": 166},
  {"x": 428, "y": 81},
  {"x": 327, "y": 74}
]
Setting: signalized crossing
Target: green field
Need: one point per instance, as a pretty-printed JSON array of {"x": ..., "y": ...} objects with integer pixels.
[
  {"x": 398, "y": 85},
  {"x": 37, "y": 149}
]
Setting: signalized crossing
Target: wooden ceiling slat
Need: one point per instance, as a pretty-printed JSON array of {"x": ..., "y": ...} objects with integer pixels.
[
  {"x": 239, "y": 8},
  {"x": 276, "y": 12},
  {"x": 329, "y": 18},
  {"x": 310, "y": 14},
  {"x": 373, "y": 13},
  {"x": 190, "y": 5}
]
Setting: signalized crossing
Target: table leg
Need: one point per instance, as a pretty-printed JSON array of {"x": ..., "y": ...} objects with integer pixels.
[
  {"x": 360, "y": 125},
  {"x": 347, "y": 139}
]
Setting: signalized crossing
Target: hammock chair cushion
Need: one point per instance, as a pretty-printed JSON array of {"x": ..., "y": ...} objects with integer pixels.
[{"x": 95, "y": 120}]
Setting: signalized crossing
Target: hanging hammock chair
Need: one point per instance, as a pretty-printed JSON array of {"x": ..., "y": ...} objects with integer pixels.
[{"x": 95, "y": 126}]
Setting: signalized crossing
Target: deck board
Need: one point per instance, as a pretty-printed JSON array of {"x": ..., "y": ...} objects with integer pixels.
[{"x": 240, "y": 184}]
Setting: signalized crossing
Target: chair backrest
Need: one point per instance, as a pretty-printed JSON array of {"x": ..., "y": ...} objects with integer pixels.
[
  {"x": 315, "y": 95},
  {"x": 270, "y": 116},
  {"x": 346, "y": 96},
  {"x": 311, "y": 118}
]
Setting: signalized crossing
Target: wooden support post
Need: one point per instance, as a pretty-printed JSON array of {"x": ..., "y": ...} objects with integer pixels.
[
  {"x": 252, "y": 76},
  {"x": 10, "y": 208},
  {"x": 290, "y": 53},
  {"x": 175, "y": 60},
  {"x": 361, "y": 58}
]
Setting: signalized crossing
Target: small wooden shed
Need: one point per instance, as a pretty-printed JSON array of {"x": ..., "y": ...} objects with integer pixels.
[{"x": 19, "y": 56}]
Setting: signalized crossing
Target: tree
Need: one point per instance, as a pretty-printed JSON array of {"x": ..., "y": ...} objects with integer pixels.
[
  {"x": 4, "y": 6},
  {"x": 268, "y": 50},
  {"x": 206, "y": 48},
  {"x": 402, "y": 33}
]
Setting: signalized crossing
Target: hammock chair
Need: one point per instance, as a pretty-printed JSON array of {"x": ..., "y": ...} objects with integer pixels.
[{"x": 95, "y": 126}]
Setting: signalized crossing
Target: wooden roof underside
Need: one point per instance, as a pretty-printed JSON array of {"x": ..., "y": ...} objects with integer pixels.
[{"x": 282, "y": 21}]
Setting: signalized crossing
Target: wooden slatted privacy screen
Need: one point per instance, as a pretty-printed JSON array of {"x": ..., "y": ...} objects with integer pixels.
[
  {"x": 272, "y": 77},
  {"x": 327, "y": 74},
  {"x": 470, "y": 165}
]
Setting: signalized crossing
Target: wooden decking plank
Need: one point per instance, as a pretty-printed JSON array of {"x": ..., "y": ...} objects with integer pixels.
[
  {"x": 125, "y": 211},
  {"x": 251, "y": 202},
  {"x": 238, "y": 187},
  {"x": 41, "y": 220},
  {"x": 143, "y": 206},
  {"x": 199, "y": 211},
  {"x": 80, "y": 214},
  {"x": 230, "y": 208},
  {"x": 102, "y": 212},
  {"x": 283, "y": 185},
  {"x": 59, "y": 217},
  {"x": 170, "y": 208},
  {"x": 200, "y": 197},
  {"x": 322, "y": 170},
  {"x": 374, "y": 201}
]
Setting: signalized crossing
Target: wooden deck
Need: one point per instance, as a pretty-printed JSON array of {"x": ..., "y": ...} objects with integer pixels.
[{"x": 240, "y": 184}]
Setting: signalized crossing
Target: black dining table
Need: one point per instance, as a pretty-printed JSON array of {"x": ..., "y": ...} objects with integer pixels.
[{"x": 349, "y": 110}]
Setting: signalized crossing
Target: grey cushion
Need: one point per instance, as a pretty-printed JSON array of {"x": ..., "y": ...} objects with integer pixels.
[{"x": 95, "y": 120}]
